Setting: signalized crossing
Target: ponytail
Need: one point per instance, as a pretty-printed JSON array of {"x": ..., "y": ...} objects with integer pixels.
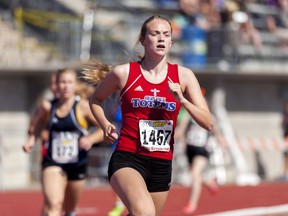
[{"x": 96, "y": 72}]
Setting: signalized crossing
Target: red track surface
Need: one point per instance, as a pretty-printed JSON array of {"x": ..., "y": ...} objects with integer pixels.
[{"x": 97, "y": 201}]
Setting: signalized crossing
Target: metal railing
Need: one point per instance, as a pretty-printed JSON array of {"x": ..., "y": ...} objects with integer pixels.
[{"x": 62, "y": 36}]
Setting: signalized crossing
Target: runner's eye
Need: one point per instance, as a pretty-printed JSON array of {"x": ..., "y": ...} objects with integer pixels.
[{"x": 153, "y": 33}]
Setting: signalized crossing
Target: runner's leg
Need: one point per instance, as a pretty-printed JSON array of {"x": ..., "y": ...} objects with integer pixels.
[{"x": 54, "y": 183}]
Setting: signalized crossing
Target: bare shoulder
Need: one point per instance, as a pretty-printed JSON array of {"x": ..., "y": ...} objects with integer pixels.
[
  {"x": 84, "y": 104},
  {"x": 121, "y": 72},
  {"x": 185, "y": 74},
  {"x": 121, "y": 69},
  {"x": 184, "y": 70},
  {"x": 83, "y": 109}
]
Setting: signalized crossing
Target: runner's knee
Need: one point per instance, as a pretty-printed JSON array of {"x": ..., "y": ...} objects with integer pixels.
[
  {"x": 54, "y": 205},
  {"x": 142, "y": 210}
]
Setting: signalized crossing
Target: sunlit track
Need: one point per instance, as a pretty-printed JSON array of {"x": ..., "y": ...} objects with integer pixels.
[
  {"x": 266, "y": 199},
  {"x": 87, "y": 210},
  {"x": 260, "y": 211}
]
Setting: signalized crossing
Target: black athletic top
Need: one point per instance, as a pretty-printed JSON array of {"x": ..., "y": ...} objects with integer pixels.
[{"x": 64, "y": 133}]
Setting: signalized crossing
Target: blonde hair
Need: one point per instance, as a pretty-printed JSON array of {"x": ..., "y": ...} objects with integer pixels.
[
  {"x": 95, "y": 72},
  {"x": 84, "y": 90},
  {"x": 62, "y": 71}
]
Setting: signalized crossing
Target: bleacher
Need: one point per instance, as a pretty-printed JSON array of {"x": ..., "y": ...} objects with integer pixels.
[
  {"x": 17, "y": 50},
  {"x": 63, "y": 34},
  {"x": 273, "y": 54}
]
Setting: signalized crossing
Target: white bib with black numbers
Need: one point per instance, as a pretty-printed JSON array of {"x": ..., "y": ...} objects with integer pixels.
[
  {"x": 155, "y": 135},
  {"x": 65, "y": 147}
]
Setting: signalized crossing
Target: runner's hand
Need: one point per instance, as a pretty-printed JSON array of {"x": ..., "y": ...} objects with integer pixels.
[
  {"x": 28, "y": 146},
  {"x": 110, "y": 134},
  {"x": 175, "y": 89},
  {"x": 85, "y": 143}
]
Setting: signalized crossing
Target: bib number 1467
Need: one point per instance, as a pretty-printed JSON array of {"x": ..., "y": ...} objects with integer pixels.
[{"x": 155, "y": 135}]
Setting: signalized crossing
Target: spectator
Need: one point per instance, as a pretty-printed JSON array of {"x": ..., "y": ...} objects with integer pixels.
[
  {"x": 189, "y": 14},
  {"x": 248, "y": 33},
  {"x": 278, "y": 23},
  {"x": 210, "y": 17},
  {"x": 283, "y": 13},
  {"x": 202, "y": 14}
]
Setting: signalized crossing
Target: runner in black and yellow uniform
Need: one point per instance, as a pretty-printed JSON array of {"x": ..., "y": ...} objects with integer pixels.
[
  {"x": 62, "y": 148},
  {"x": 64, "y": 164}
]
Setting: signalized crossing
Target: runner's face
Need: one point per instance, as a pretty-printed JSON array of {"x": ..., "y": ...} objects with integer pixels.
[
  {"x": 158, "y": 38},
  {"x": 67, "y": 84}
]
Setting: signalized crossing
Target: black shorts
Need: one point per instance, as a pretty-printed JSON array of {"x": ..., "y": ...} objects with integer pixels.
[
  {"x": 73, "y": 172},
  {"x": 193, "y": 151},
  {"x": 156, "y": 172}
]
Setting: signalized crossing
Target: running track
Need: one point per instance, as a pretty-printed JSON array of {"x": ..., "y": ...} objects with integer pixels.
[{"x": 97, "y": 201}]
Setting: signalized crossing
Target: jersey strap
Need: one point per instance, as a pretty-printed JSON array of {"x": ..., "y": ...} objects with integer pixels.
[
  {"x": 80, "y": 118},
  {"x": 173, "y": 75}
]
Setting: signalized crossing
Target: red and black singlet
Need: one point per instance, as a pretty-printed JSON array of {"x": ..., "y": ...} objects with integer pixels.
[{"x": 149, "y": 113}]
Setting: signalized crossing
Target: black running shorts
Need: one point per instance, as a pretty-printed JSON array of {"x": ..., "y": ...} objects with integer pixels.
[
  {"x": 156, "y": 172},
  {"x": 193, "y": 151},
  {"x": 78, "y": 172}
]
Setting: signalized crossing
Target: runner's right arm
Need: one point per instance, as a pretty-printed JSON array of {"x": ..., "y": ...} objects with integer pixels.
[{"x": 37, "y": 123}]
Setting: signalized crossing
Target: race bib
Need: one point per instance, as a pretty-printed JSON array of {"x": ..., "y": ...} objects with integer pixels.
[
  {"x": 155, "y": 135},
  {"x": 65, "y": 147}
]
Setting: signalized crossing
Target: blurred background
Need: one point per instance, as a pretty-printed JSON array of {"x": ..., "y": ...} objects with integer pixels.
[{"x": 237, "y": 49}]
